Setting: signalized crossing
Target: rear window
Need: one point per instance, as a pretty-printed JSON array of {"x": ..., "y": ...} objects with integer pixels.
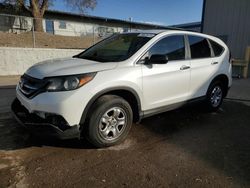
[
  {"x": 199, "y": 47},
  {"x": 218, "y": 49}
]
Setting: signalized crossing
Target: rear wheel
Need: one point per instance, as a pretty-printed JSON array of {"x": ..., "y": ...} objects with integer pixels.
[
  {"x": 214, "y": 96},
  {"x": 110, "y": 121}
]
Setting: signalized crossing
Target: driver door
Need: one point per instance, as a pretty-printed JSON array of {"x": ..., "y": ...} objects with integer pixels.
[{"x": 166, "y": 84}]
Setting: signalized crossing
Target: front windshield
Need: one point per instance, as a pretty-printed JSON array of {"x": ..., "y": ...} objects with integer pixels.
[{"x": 118, "y": 47}]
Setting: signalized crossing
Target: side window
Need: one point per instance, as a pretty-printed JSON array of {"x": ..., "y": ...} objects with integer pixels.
[
  {"x": 172, "y": 46},
  {"x": 199, "y": 47},
  {"x": 218, "y": 49}
]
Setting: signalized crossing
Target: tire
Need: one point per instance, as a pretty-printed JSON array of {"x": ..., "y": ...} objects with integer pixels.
[
  {"x": 110, "y": 121},
  {"x": 214, "y": 96}
]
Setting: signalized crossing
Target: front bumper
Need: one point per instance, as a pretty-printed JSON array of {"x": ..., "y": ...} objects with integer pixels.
[
  {"x": 43, "y": 127},
  {"x": 60, "y": 103}
]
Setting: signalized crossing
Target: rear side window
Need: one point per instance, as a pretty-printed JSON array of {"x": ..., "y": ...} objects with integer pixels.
[
  {"x": 199, "y": 47},
  {"x": 172, "y": 46},
  {"x": 218, "y": 49}
]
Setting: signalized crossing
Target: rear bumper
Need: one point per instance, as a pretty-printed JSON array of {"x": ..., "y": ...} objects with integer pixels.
[{"x": 42, "y": 127}]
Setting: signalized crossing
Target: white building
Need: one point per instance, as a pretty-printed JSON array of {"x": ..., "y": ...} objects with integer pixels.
[{"x": 68, "y": 24}]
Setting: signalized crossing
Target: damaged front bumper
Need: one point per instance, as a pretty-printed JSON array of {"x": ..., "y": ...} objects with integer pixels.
[{"x": 52, "y": 126}]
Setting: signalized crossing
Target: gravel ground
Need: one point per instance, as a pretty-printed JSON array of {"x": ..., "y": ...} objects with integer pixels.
[{"x": 181, "y": 148}]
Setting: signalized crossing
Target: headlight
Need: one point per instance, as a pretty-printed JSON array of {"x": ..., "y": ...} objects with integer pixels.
[{"x": 66, "y": 83}]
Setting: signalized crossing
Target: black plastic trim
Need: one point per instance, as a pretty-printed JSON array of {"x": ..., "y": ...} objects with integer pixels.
[{"x": 151, "y": 112}]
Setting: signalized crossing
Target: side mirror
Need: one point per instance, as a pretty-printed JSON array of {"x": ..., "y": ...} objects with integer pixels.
[{"x": 157, "y": 59}]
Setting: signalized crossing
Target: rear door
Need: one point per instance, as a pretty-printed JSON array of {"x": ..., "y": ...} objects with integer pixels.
[{"x": 203, "y": 66}]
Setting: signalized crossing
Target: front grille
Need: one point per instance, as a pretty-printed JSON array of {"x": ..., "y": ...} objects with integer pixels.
[{"x": 30, "y": 86}]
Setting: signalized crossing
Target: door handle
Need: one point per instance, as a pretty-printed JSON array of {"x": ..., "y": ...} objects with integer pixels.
[
  {"x": 184, "y": 67},
  {"x": 214, "y": 63}
]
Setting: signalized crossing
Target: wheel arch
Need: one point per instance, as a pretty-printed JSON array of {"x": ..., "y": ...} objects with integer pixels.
[
  {"x": 127, "y": 93},
  {"x": 224, "y": 80}
]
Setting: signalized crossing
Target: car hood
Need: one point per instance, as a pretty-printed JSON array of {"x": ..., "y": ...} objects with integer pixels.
[{"x": 67, "y": 66}]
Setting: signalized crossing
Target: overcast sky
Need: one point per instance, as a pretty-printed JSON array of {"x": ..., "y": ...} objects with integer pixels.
[{"x": 163, "y": 12}]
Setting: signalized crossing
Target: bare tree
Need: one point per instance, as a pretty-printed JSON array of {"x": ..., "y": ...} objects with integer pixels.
[
  {"x": 37, "y": 8},
  {"x": 82, "y": 5}
]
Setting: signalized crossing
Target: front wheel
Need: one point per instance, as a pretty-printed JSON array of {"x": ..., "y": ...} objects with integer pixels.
[
  {"x": 214, "y": 96},
  {"x": 110, "y": 121}
]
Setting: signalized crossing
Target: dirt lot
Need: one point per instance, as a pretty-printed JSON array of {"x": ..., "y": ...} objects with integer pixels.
[
  {"x": 45, "y": 40},
  {"x": 182, "y": 148}
]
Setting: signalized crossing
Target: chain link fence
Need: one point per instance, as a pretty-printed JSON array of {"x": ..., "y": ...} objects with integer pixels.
[{"x": 19, "y": 31}]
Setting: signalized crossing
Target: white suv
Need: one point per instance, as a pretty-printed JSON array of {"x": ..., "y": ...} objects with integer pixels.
[{"x": 101, "y": 91}]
